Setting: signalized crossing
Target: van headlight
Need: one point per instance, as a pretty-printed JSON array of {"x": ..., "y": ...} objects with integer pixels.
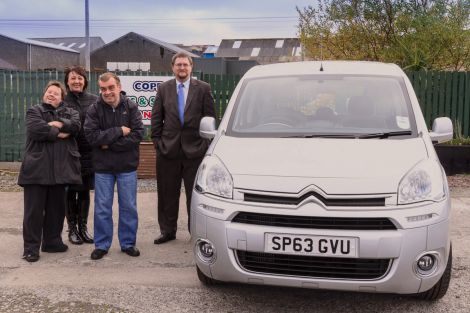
[
  {"x": 424, "y": 182},
  {"x": 214, "y": 178}
]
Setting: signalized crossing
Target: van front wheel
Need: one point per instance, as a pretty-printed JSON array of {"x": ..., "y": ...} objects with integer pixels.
[
  {"x": 204, "y": 279},
  {"x": 440, "y": 288}
]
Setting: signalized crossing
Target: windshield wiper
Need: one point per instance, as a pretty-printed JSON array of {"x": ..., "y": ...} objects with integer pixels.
[
  {"x": 384, "y": 134},
  {"x": 349, "y": 136}
]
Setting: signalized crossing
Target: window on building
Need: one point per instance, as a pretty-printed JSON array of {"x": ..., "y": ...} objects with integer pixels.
[
  {"x": 133, "y": 66},
  {"x": 71, "y": 45},
  {"x": 82, "y": 45},
  {"x": 279, "y": 43},
  {"x": 255, "y": 52},
  {"x": 297, "y": 51},
  {"x": 237, "y": 44},
  {"x": 111, "y": 66},
  {"x": 128, "y": 66}
]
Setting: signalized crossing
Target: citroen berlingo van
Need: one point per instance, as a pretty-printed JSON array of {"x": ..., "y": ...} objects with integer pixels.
[{"x": 323, "y": 175}]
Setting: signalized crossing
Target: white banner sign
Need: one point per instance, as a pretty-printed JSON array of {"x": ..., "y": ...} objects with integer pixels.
[{"x": 142, "y": 90}]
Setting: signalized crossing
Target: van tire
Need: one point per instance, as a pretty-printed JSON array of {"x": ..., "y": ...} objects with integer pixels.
[
  {"x": 207, "y": 281},
  {"x": 440, "y": 288}
]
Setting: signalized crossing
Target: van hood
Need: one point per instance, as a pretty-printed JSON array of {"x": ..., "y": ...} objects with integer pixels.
[{"x": 336, "y": 166}]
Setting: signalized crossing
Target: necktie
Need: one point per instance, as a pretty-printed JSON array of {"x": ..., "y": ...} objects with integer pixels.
[{"x": 181, "y": 102}]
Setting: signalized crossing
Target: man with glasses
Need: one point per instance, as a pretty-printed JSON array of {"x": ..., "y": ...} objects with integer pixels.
[{"x": 179, "y": 106}]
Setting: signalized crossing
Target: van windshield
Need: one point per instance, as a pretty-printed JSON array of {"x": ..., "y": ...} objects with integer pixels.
[{"x": 323, "y": 106}]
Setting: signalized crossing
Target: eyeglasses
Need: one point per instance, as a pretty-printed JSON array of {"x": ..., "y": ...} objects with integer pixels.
[{"x": 182, "y": 65}]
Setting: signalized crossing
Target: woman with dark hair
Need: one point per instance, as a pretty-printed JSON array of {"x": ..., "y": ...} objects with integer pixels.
[
  {"x": 78, "y": 196},
  {"x": 50, "y": 163}
]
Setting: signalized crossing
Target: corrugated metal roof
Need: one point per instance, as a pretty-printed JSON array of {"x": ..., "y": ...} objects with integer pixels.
[
  {"x": 77, "y": 43},
  {"x": 41, "y": 44},
  {"x": 268, "y": 47},
  {"x": 169, "y": 46}
]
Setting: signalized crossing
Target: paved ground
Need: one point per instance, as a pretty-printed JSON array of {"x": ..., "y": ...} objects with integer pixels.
[{"x": 163, "y": 278}]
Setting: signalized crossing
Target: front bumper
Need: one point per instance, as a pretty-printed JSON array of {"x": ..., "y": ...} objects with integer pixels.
[{"x": 211, "y": 219}]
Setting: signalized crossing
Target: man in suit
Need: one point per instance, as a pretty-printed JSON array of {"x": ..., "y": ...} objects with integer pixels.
[{"x": 179, "y": 106}]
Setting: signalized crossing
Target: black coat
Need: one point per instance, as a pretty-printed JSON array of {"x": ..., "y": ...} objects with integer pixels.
[
  {"x": 80, "y": 103},
  {"x": 49, "y": 160},
  {"x": 168, "y": 135},
  {"x": 103, "y": 127}
]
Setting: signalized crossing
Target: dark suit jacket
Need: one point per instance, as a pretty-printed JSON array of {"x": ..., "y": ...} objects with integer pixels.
[{"x": 168, "y": 135}]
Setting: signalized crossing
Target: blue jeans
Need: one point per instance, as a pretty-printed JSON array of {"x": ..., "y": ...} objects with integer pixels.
[{"x": 128, "y": 219}]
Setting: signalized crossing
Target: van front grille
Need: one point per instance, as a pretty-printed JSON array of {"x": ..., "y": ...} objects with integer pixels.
[
  {"x": 353, "y": 202},
  {"x": 314, "y": 222},
  {"x": 315, "y": 267}
]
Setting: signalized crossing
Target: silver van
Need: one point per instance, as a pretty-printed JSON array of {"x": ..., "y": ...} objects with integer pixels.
[{"x": 323, "y": 175}]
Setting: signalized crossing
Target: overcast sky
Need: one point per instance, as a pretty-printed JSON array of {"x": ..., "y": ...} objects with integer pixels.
[{"x": 174, "y": 21}]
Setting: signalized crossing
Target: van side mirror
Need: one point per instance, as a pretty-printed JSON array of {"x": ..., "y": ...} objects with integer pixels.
[
  {"x": 442, "y": 130},
  {"x": 207, "y": 127}
]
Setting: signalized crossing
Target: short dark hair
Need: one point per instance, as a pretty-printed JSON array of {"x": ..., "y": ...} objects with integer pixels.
[
  {"x": 106, "y": 76},
  {"x": 80, "y": 70},
  {"x": 181, "y": 55},
  {"x": 57, "y": 84}
]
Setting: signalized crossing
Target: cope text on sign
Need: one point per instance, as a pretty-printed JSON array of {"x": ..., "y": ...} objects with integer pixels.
[
  {"x": 311, "y": 245},
  {"x": 142, "y": 90}
]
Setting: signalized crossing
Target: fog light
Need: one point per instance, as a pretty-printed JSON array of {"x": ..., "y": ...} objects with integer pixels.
[
  {"x": 205, "y": 250},
  {"x": 426, "y": 264}
]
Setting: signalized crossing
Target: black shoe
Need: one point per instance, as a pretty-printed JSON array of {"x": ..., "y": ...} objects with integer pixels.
[
  {"x": 98, "y": 254},
  {"x": 132, "y": 251},
  {"x": 74, "y": 236},
  {"x": 55, "y": 248},
  {"x": 164, "y": 238},
  {"x": 31, "y": 257},
  {"x": 84, "y": 234}
]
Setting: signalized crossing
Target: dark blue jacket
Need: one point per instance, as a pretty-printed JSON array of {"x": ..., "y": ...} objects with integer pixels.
[{"x": 103, "y": 128}]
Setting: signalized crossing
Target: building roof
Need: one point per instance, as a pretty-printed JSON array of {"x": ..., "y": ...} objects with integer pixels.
[
  {"x": 75, "y": 43},
  {"x": 169, "y": 46},
  {"x": 211, "y": 49},
  {"x": 265, "y": 50},
  {"x": 158, "y": 42},
  {"x": 41, "y": 44}
]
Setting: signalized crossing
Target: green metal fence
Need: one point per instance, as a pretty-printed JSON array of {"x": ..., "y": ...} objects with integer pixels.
[
  {"x": 439, "y": 94},
  {"x": 444, "y": 94},
  {"x": 19, "y": 90}
]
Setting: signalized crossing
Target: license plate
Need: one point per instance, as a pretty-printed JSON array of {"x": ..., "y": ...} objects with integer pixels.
[{"x": 311, "y": 245}]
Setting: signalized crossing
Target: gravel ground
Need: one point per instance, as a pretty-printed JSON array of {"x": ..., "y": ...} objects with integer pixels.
[
  {"x": 26, "y": 302},
  {"x": 8, "y": 179},
  {"x": 8, "y": 182}
]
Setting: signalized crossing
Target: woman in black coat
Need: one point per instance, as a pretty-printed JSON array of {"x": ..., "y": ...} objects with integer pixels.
[
  {"x": 78, "y": 196},
  {"x": 51, "y": 161}
]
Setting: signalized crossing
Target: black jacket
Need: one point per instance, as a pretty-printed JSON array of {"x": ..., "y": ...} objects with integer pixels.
[
  {"x": 103, "y": 127},
  {"x": 49, "y": 160},
  {"x": 168, "y": 135},
  {"x": 80, "y": 103}
]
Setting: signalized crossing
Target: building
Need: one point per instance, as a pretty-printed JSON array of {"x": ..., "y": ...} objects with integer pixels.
[
  {"x": 75, "y": 43},
  {"x": 27, "y": 54},
  {"x": 222, "y": 66},
  {"x": 195, "y": 49},
  {"x": 264, "y": 51},
  {"x": 135, "y": 52},
  {"x": 210, "y": 52}
]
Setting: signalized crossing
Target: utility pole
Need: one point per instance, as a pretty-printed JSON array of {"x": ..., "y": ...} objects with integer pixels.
[{"x": 87, "y": 37}]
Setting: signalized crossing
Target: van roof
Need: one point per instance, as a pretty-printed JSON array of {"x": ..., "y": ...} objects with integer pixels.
[{"x": 329, "y": 67}]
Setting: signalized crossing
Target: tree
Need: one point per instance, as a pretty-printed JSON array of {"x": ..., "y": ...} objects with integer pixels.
[{"x": 431, "y": 34}]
